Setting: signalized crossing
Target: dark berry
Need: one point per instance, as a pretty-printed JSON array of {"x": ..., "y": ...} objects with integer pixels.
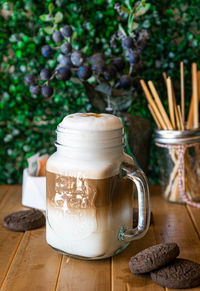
[
  {"x": 30, "y": 79},
  {"x": 66, "y": 31},
  {"x": 84, "y": 72},
  {"x": 63, "y": 74},
  {"x": 99, "y": 66},
  {"x": 47, "y": 51},
  {"x": 125, "y": 82},
  {"x": 110, "y": 72},
  {"x": 119, "y": 64},
  {"x": 97, "y": 57},
  {"x": 35, "y": 89},
  {"x": 127, "y": 43},
  {"x": 47, "y": 91},
  {"x": 77, "y": 58},
  {"x": 57, "y": 36},
  {"x": 133, "y": 57},
  {"x": 45, "y": 74},
  {"x": 66, "y": 48},
  {"x": 65, "y": 61}
]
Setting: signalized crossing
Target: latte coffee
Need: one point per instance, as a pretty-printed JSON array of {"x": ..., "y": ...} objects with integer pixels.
[
  {"x": 88, "y": 199},
  {"x": 85, "y": 215}
]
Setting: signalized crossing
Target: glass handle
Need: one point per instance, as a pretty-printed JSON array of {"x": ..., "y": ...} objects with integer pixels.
[{"x": 138, "y": 177}]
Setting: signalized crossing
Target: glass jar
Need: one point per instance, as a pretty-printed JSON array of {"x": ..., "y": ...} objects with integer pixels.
[
  {"x": 179, "y": 163},
  {"x": 90, "y": 189}
]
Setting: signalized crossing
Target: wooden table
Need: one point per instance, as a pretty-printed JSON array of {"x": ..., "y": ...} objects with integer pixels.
[{"x": 27, "y": 263}]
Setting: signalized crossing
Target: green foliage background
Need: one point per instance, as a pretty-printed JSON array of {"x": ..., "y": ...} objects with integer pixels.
[{"x": 27, "y": 124}]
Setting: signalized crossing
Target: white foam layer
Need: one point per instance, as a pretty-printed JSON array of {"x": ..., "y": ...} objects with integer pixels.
[
  {"x": 90, "y": 122},
  {"x": 98, "y": 167}
]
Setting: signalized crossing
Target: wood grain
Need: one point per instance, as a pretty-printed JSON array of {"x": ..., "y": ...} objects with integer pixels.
[
  {"x": 182, "y": 92},
  {"x": 84, "y": 275},
  {"x": 195, "y": 217},
  {"x": 195, "y": 95},
  {"x": 153, "y": 104},
  {"x": 3, "y": 191},
  {"x": 160, "y": 105},
  {"x": 24, "y": 257},
  {"x": 171, "y": 102},
  {"x": 9, "y": 241},
  {"x": 35, "y": 265},
  {"x": 122, "y": 278}
]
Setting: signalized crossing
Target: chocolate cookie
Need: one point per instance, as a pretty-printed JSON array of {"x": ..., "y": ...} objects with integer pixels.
[
  {"x": 178, "y": 275},
  {"x": 24, "y": 220},
  {"x": 153, "y": 258}
]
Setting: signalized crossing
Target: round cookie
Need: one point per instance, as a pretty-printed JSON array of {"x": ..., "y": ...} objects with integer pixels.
[
  {"x": 180, "y": 274},
  {"x": 153, "y": 258},
  {"x": 24, "y": 220}
]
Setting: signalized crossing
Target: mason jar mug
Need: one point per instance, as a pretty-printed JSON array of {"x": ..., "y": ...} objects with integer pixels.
[{"x": 90, "y": 189}]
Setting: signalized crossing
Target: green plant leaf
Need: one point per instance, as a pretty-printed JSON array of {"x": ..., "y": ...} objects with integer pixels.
[
  {"x": 142, "y": 9},
  {"x": 104, "y": 88},
  {"x": 76, "y": 81},
  {"x": 125, "y": 10},
  {"x": 51, "y": 8},
  {"x": 122, "y": 29},
  {"x": 130, "y": 24},
  {"x": 48, "y": 29},
  {"x": 45, "y": 17},
  {"x": 58, "y": 17},
  {"x": 128, "y": 4},
  {"x": 94, "y": 96}
]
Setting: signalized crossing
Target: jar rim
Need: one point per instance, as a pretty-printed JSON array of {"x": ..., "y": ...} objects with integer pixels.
[
  {"x": 98, "y": 148},
  {"x": 177, "y": 136},
  {"x": 66, "y": 130},
  {"x": 90, "y": 139}
]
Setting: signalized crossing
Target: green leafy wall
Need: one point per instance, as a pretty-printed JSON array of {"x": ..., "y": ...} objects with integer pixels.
[{"x": 27, "y": 124}]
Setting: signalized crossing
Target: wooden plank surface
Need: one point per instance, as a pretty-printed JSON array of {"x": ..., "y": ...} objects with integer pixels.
[
  {"x": 28, "y": 263},
  {"x": 195, "y": 216},
  {"x": 172, "y": 223},
  {"x": 84, "y": 275},
  {"x": 122, "y": 278},
  {"x": 35, "y": 265},
  {"x": 10, "y": 201},
  {"x": 26, "y": 260},
  {"x": 3, "y": 190}
]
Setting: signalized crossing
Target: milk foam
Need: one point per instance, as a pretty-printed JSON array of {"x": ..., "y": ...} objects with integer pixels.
[
  {"x": 88, "y": 145},
  {"x": 91, "y": 122}
]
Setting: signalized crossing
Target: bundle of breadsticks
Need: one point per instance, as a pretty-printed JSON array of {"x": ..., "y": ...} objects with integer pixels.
[{"x": 176, "y": 121}]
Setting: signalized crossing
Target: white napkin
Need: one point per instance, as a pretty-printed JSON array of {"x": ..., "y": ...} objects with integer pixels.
[{"x": 33, "y": 191}]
